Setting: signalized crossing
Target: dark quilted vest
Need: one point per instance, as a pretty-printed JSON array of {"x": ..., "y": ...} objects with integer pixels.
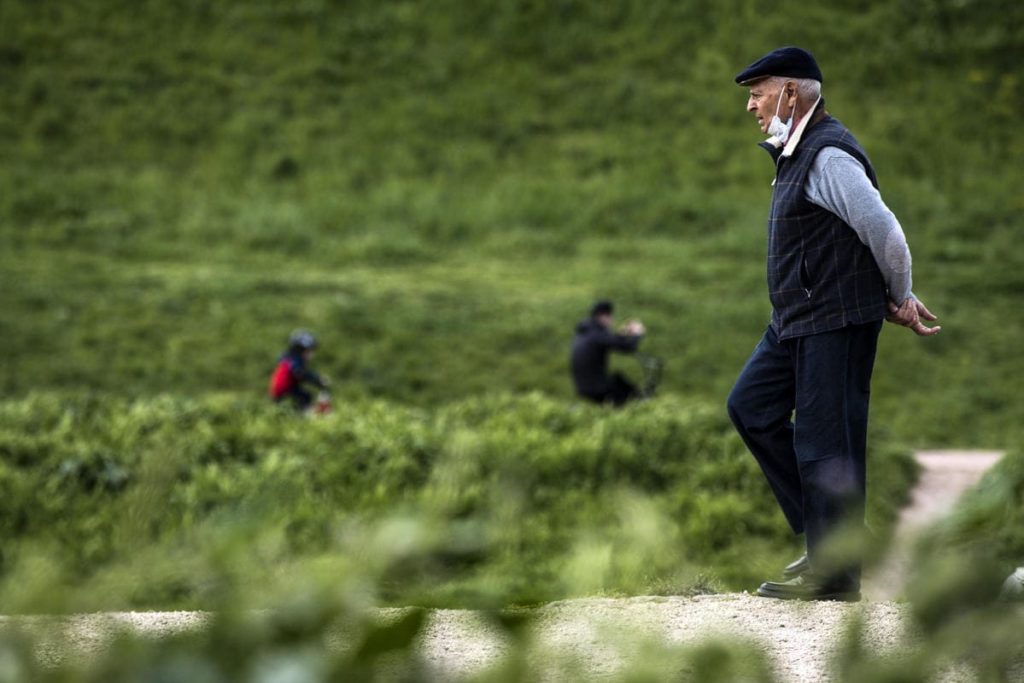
[{"x": 821, "y": 277}]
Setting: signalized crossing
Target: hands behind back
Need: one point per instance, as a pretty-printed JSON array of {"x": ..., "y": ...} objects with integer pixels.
[{"x": 910, "y": 314}]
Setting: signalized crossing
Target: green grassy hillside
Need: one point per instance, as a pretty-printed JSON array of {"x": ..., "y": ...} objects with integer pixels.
[{"x": 440, "y": 189}]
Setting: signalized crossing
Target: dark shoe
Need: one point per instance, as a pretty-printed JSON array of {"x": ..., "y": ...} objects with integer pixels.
[
  {"x": 808, "y": 587},
  {"x": 796, "y": 567}
]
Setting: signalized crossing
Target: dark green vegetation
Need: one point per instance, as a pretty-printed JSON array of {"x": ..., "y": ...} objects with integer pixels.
[
  {"x": 955, "y": 590},
  {"x": 989, "y": 522},
  {"x": 498, "y": 500},
  {"x": 439, "y": 189},
  {"x": 319, "y": 627}
]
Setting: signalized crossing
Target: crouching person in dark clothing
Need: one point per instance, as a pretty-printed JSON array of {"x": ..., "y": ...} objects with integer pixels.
[
  {"x": 292, "y": 372},
  {"x": 594, "y": 339}
]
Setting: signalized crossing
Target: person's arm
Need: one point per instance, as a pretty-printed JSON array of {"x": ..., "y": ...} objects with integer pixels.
[
  {"x": 306, "y": 376},
  {"x": 838, "y": 182},
  {"x": 627, "y": 343}
]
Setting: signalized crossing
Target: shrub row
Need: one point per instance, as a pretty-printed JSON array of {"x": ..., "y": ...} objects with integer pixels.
[{"x": 522, "y": 497}]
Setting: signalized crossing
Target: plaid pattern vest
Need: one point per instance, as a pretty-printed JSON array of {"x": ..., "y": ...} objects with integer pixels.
[{"x": 821, "y": 277}]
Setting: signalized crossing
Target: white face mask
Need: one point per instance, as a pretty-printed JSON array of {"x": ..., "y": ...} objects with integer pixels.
[{"x": 777, "y": 128}]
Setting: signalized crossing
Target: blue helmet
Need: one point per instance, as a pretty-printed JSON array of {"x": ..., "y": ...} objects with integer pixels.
[{"x": 302, "y": 339}]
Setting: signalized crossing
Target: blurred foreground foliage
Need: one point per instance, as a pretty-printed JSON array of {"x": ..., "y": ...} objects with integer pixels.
[
  {"x": 963, "y": 618},
  {"x": 318, "y": 639},
  {"x": 168, "y": 502},
  {"x": 988, "y": 523},
  {"x": 232, "y": 505}
]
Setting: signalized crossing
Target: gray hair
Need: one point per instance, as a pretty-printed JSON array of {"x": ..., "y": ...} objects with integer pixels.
[{"x": 807, "y": 89}]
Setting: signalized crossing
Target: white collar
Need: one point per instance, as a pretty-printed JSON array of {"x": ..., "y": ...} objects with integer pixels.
[{"x": 794, "y": 138}]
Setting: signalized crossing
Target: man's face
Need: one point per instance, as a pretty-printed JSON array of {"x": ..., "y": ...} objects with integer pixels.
[
  {"x": 764, "y": 98},
  {"x": 605, "y": 319}
]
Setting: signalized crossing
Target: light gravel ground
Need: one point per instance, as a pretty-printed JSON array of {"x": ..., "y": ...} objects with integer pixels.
[
  {"x": 600, "y": 635},
  {"x": 591, "y": 639},
  {"x": 596, "y": 637}
]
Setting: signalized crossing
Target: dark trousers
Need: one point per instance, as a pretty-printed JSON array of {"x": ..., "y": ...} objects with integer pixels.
[
  {"x": 618, "y": 390},
  {"x": 815, "y": 462},
  {"x": 299, "y": 397}
]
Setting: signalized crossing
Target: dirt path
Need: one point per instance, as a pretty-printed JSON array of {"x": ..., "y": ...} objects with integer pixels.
[
  {"x": 597, "y": 636},
  {"x": 593, "y": 638},
  {"x": 945, "y": 476}
]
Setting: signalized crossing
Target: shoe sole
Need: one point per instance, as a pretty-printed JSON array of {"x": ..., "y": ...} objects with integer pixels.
[{"x": 831, "y": 597}]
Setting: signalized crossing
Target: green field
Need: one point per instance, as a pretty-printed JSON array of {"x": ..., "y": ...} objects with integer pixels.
[{"x": 439, "y": 191}]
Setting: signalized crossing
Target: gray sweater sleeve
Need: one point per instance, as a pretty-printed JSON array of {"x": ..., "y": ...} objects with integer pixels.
[{"x": 837, "y": 182}]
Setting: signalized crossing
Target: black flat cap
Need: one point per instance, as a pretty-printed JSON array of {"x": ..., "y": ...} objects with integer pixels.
[
  {"x": 789, "y": 62},
  {"x": 602, "y": 307}
]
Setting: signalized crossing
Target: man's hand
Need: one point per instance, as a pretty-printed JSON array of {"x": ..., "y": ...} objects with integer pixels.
[
  {"x": 910, "y": 314},
  {"x": 635, "y": 328}
]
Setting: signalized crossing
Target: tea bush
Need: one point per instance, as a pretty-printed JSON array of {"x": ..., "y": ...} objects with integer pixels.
[{"x": 516, "y": 494}]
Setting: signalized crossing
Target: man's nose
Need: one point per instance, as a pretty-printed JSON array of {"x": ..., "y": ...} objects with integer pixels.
[{"x": 750, "y": 104}]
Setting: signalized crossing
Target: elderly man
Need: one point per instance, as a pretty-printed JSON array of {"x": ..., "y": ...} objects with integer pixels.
[{"x": 838, "y": 264}]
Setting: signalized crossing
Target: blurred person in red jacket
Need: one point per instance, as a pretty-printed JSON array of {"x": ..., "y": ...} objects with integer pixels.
[{"x": 292, "y": 374}]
